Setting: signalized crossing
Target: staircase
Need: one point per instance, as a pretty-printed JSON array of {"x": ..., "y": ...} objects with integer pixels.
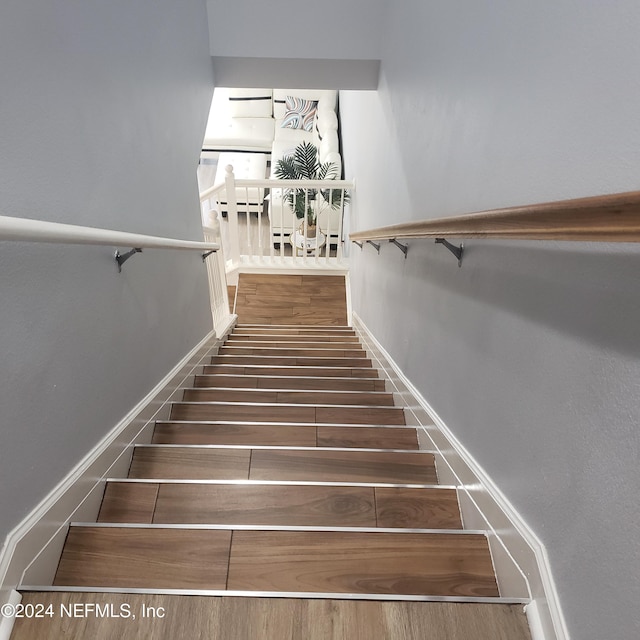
[{"x": 286, "y": 470}]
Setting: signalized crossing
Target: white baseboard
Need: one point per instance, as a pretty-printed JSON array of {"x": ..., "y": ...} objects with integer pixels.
[
  {"x": 31, "y": 551},
  {"x": 7, "y": 619},
  {"x": 520, "y": 559}
]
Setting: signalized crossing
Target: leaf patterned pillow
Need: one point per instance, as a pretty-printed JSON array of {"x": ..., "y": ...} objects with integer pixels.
[{"x": 299, "y": 113}]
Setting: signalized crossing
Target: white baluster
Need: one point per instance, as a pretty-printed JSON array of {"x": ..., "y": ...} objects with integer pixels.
[{"x": 339, "y": 247}]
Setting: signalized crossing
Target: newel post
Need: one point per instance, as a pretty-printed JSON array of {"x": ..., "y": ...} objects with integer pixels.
[{"x": 232, "y": 213}]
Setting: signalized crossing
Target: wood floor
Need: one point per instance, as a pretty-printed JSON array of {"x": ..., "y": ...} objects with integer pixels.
[
  {"x": 201, "y": 618},
  {"x": 291, "y": 300},
  {"x": 294, "y": 474}
]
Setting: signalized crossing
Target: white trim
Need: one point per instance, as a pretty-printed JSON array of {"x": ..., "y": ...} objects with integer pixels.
[
  {"x": 347, "y": 283},
  {"x": 32, "y": 549},
  {"x": 536, "y": 626},
  {"x": 518, "y": 553},
  {"x": 7, "y": 622},
  {"x": 27, "y": 230},
  {"x": 233, "y": 319},
  {"x": 306, "y": 595}
]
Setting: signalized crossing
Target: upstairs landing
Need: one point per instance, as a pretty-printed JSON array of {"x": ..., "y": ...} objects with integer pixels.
[{"x": 291, "y": 299}]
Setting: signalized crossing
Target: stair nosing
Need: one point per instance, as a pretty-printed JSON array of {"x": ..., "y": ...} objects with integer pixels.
[
  {"x": 270, "y": 527},
  {"x": 279, "y": 594},
  {"x": 281, "y": 448},
  {"x": 287, "y": 483}
]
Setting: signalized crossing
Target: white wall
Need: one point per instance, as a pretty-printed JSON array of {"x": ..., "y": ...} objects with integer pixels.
[
  {"x": 102, "y": 116},
  {"x": 530, "y": 351}
]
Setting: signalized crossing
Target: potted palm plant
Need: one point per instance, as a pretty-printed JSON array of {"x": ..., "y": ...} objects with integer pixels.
[{"x": 303, "y": 164}]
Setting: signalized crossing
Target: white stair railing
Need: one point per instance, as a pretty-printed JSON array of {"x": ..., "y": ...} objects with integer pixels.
[
  {"x": 26, "y": 230},
  {"x": 282, "y": 239}
]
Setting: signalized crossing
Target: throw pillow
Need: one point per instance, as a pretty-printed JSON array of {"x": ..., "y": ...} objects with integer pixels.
[{"x": 299, "y": 113}]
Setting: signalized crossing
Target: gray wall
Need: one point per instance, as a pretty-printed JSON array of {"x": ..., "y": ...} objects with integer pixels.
[
  {"x": 286, "y": 43},
  {"x": 530, "y": 352},
  {"x": 334, "y": 29},
  {"x": 102, "y": 116}
]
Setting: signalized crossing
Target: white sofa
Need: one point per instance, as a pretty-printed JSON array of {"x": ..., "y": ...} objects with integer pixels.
[
  {"x": 251, "y": 121},
  {"x": 324, "y": 136},
  {"x": 240, "y": 120}
]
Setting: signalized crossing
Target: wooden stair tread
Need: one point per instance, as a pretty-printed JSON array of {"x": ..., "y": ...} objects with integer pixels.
[
  {"x": 295, "y": 505},
  {"x": 304, "y": 435},
  {"x": 302, "y": 386},
  {"x": 287, "y": 413},
  {"x": 288, "y": 382},
  {"x": 360, "y": 415},
  {"x": 250, "y": 350},
  {"x": 342, "y": 466},
  {"x": 442, "y": 564},
  {"x": 292, "y": 330},
  {"x": 283, "y": 370},
  {"x": 128, "y": 502},
  {"x": 299, "y": 396},
  {"x": 301, "y": 345},
  {"x": 198, "y": 464},
  {"x": 374, "y": 438},
  {"x": 437, "y": 564},
  {"x": 291, "y": 299},
  {"x": 282, "y": 464},
  {"x": 284, "y": 435},
  {"x": 292, "y": 361},
  {"x": 295, "y": 618},
  {"x": 272, "y": 413},
  {"x": 267, "y": 339},
  {"x": 144, "y": 558}
]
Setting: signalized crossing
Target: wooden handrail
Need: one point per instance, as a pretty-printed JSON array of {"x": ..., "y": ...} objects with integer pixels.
[{"x": 611, "y": 218}]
